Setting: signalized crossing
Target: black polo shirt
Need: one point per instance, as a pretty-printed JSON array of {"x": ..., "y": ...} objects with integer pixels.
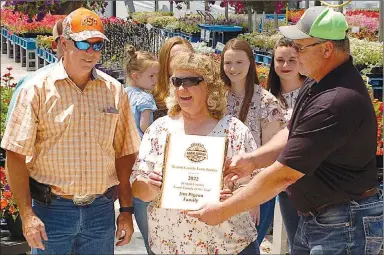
[{"x": 332, "y": 140}]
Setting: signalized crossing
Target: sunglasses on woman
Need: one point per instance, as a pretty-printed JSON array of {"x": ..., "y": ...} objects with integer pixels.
[
  {"x": 186, "y": 81},
  {"x": 84, "y": 45}
]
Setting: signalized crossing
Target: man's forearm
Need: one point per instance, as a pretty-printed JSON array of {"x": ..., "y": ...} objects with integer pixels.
[
  {"x": 263, "y": 187},
  {"x": 268, "y": 153},
  {"x": 124, "y": 169},
  {"x": 18, "y": 179}
]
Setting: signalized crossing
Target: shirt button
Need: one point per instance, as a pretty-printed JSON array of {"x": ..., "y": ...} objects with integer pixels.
[
  {"x": 86, "y": 153},
  {"x": 85, "y": 133},
  {"x": 84, "y": 113}
]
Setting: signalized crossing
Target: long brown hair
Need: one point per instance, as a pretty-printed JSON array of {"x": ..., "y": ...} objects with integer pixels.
[
  {"x": 273, "y": 82},
  {"x": 251, "y": 79},
  {"x": 161, "y": 90}
]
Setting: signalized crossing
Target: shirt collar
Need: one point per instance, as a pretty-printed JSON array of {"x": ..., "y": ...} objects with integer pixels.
[{"x": 59, "y": 73}]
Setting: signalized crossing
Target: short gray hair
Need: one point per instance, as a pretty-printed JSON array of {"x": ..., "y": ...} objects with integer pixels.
[{"x": 342, "y": 46}]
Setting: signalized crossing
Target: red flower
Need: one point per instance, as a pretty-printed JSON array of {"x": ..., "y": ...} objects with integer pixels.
[
  {"x": 12, "y": 209},
  {"x": 2, "y": 174},
  {"x": 7, "y": 194},
  {"x": 4, "y": 204},
  {"x": 9, "y": 68}
]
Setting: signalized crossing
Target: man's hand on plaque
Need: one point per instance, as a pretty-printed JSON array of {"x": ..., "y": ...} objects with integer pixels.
[
  {"x": 211, "y": 214},
  {"x": 239, "y": 166}
]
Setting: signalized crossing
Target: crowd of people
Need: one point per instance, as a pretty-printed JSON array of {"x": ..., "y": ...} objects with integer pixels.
[{"x": 77, "y": 140}]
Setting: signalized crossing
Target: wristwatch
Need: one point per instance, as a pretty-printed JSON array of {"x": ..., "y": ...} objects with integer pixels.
[{"x": 127, "y": 209}]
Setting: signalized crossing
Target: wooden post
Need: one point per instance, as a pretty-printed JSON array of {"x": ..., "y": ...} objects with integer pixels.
[
  {"x": 276, "y": 20},
  {"x": 171, "y": 6},
  {"x": 156, "y": 6},
  {"x": 340, "y": 9},
  {"x": 250, "y": 23},
  {"x": 226, "y": 11},
  {"x": 255, "y": 25},
  {"x": 262, "y": 21},
  {"x": 188, "y": 5},
  {"x": 306, "y": 4},
  {"x": 131, "y": 7}
]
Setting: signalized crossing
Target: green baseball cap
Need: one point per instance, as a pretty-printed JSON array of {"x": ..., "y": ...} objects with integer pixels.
[{"x": 320, "y": 22}]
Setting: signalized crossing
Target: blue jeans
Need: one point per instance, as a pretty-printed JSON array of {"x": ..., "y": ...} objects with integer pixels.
[
  {"x": 290, "y": 217},
  {"x": 75, "y": 229},
  {"x": 142, "y": 220},
  {"x": 354, "y": 228},
  {"x": 252, "y": 249},
  {"x": 266, "y": 218}
]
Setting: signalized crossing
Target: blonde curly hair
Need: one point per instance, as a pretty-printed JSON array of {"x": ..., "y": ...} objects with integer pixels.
[{"x": 210, "y": 71}]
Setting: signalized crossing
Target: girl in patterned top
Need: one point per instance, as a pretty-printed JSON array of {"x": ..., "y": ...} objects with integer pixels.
[
  {"x": 254, "y": 106},
  {"x": 284, "y": 82}
]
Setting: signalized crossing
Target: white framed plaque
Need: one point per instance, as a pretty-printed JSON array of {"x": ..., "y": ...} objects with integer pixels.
[{"x": 192, "y": 171}]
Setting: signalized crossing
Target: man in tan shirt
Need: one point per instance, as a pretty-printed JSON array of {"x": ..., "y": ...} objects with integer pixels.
[{"x": 75, "y": 123}]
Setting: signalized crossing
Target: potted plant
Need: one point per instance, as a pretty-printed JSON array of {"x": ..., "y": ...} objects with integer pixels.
[{"x": 9, "y": 210}]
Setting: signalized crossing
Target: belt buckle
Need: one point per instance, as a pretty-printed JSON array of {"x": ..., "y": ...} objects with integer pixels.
[{"x": 82, "y": 200}]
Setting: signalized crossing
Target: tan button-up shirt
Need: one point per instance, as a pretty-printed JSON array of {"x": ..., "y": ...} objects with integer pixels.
[{"x": 73, "y": 136}]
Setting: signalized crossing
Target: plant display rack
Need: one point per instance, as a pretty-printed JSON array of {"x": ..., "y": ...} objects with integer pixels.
[
  {"x": 44, "y": 57},
  {"x": 19, "y": 49}
]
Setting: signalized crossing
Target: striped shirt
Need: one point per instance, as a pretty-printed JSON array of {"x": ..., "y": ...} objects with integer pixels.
[{"x": 73, "y": 136}]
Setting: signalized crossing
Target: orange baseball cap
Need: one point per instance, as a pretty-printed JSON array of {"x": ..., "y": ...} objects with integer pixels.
[{"x": 82, "y": 24}]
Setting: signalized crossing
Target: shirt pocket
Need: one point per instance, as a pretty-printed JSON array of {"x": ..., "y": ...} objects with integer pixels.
[{"x": 105, "y": 125}]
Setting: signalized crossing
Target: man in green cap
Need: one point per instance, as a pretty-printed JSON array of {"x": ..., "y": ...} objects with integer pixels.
[{"x": 325, "y": 158}]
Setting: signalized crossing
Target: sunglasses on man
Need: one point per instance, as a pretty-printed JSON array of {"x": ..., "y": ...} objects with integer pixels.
[
  {"x": 84, "y": 45},
  {"x": 186, "y": 81}
]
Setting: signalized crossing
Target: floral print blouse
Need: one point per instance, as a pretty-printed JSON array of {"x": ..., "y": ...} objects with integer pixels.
[
  {"x": 173, "y": 232},
  {"x": 290, "y": 99},
  {"x": 264, "y": 109}
]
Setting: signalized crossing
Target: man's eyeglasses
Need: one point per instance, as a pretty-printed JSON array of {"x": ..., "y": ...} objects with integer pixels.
[
  {"x": 302, "y": 48},
  {"x": 84, "y": 45},
  {"x": 186, "y": 81}
]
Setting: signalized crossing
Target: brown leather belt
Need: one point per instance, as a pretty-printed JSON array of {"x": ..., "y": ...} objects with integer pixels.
[{"x": 322, "y": 208}]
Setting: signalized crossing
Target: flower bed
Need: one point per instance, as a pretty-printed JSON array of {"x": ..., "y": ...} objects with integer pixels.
[
  {"x": 368, "y": 27},
  {"x": 294, "y": 15},
  {"x": 261, "y": 41},
  {"x": 366, "y": 20},
  {"x": 18, "y": 23},
  {"x": 8, "y": 203},
  {"x": 366, "y": 54},
  {"x": 7, "y": 87},
  {"x": 44, "y": 42},
  {"x": 142, "y": 17}
]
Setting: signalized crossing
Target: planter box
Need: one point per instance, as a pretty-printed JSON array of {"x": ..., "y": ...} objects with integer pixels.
[{"x": 192, "y": 37}]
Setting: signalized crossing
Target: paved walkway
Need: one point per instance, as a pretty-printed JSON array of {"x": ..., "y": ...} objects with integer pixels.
[{"x": 136, "y": 246}]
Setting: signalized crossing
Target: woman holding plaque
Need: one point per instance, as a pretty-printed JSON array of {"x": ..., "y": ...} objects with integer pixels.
[
  {"x": 196, "y": 107},
  {"x": 168, "y": 50},
  {"x": 254, "y": 106}
]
